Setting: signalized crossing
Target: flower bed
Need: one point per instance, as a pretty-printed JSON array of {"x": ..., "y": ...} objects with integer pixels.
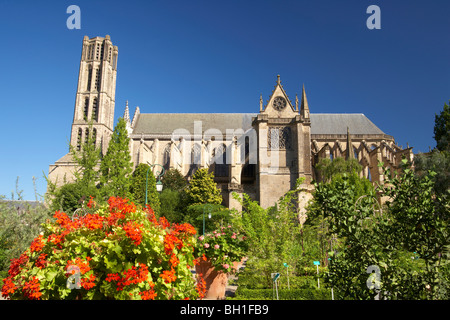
[{"x": 116, "y": 251}]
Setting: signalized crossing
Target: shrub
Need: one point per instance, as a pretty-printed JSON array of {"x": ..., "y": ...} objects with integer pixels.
[
  {"x": 139, "y": 184},
  {"x": 116, "y": 251},
  {"x": 283, "y": 294},
  {"x": 20, "y": 223},
  {"x": 172, "y": 205},
  {"x": 222, "y": 247}
]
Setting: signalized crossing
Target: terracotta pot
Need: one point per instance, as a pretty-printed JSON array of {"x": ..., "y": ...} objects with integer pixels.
[{"x": 216, "y": 281}]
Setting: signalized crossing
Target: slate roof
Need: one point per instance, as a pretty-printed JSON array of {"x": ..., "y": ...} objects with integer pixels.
[
  {"x": 326, "y": 123},
  {"x": 337, "y": 123},
  {"x": 166, "y": 123}
]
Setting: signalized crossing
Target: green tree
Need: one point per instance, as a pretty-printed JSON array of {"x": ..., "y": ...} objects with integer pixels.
[
  {"x": 172, "y": 205},
  {"x": 438, "y": 160},
  {"x": 442, "y": 129},
  {"x": 203, "y": 189},
  {"x": 116, "y": 166},
  {"x": 69, "y": 196},
  {"x": 174, "y": 180},
  {"x": 220, "y": 216},
  {"x": 419, "y": 223},
  {"x": 138, "y": 187},
  {"x": 87, "y": 160},
  {"x": 327, "y": 168},
  {"x": 274, "y": 236},
  {"x": 414, "y": 223},
  {"x": 20, "y": 223}
]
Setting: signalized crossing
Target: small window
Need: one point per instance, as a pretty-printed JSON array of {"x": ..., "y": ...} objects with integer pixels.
[
  {"x": 101, "y": 51},
  {"x": 89, "y": 79},
  {"x": 80, "y": 133},
  {"x": 97, "y": 80},
  {"x": 86, "y": 108},
  {"x": 94, "y": 136},
  {"x": 95, "y": 110},
  {"x": 220, "y": 159},
  {"x": 166, "y": 157}
]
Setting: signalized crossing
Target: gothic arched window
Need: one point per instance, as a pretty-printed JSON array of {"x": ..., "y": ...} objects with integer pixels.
[
  {"x": 166, "y": 157},
  {"x": 89, "y": 79},
  {"x": 220, "y": 159},
  {"x": 279, "y": 138},
  {"x": 95, "y": 110},
  {"x": 80, "y": 133},
  {"x": 86, "y": 108},
  {"x": 97, "y": 79},
  {"x": 355, "y": 153},
  {"x": 248, "y": 169},
  {"x": 196, "y": 157}
]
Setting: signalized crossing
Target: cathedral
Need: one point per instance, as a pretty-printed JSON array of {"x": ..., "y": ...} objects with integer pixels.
[{"x": 261, "y": 153}]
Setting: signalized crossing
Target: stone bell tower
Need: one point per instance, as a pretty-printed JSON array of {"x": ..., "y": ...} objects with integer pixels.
[
  {"x": 284, "y": 145},
  {"x": 95, "y": 98}
]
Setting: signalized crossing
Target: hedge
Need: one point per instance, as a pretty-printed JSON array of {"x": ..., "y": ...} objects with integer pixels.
[{"x": 283, "y": 294}]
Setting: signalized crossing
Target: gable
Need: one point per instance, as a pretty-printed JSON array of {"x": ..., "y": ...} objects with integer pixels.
[{"x": 279, "y": 105}]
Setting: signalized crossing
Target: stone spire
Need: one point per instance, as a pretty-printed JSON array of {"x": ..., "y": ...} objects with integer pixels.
[
  {"x": 126, "y": 114},
  {"x": 260, "y": 103},
  {"x": 296, "y": 102},
  {"x": 135, "y": 116},
  {"x": 304, "y": 108},
  {"x": 126, "y": 117},
  {"x": 349, "y": 152}
]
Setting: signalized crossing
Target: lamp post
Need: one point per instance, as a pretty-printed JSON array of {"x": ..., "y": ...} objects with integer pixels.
[
  {"x": 287, "y": 273},
  {"x": 209, "y": 215},
  {"x": 159, "y": 174}
]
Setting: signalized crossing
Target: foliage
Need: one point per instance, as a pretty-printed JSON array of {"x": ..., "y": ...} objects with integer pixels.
[
  {"x": 115, "y": 251},
  {"x": 283, "y": 294},
  {"x": 87, "y": 160},
  {"x": 173, "y": 205},
  {"x": 222, "y": 247},
  {"x": 442, "y": 129},
  {"x": 116, "y": 166},
  {"x": 174, "y": 180},
  {"x": 197, "y": 213},
  {"x": 413, "y": 224},
  {"x": 438, "y": 162},
  {"x": 203, "y": 189},
  {"x": 328, "y": 168},
  {"x": 19, "y": 224},
  {"x": 139, "y": 184},
  {"x": 274, "y": 234},
  {"x": 420, "y": 224},
  {"x": 71, "y": 196}
]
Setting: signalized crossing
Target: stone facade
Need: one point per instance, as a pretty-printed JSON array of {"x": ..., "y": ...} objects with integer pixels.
[{"x": 261, "y": 154}]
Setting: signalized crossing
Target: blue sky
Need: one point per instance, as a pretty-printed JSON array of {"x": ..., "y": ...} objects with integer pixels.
[{"x": 219, "y": 56}]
